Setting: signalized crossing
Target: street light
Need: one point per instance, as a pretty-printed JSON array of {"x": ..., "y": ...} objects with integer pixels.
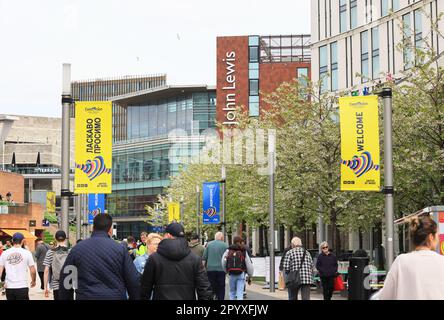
[
  {"x": 271, "y": 167},
  {"x": 198, "y": 211},
  {"x": 223, "y": 182},
  {"x": 5, "y": 126},
  {"x": 181, "y": 209}
]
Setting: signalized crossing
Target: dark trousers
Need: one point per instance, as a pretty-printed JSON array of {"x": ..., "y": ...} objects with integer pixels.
[
  {"x": 327, "y": 287},
  {"x": 305, "y": 292},
  {"x": 42, "y": 285},
  {"x": 217, "y": 280},
  {"x": 55, "y": 293},
  {"x": 17, "y": 294}
]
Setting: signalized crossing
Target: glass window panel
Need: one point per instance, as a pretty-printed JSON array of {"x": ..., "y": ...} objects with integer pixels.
[
  {"x": 144, "y": 121},
  {"x": 253, "y": 66},
  {"x": 334, "y": 80},
  {"x": 162, "y": 118},
  {"x": 334, "y": 52},
  {"x": 253, "y": 109},
  {"x": 323, "y": 56},
  {"x": 254, "y": 99},
  {"x": 343, "y": 16},
  {"x": 152, "y": 119},
  {"x": 353, "y": 14},
  {"x": 253, "y": 41},
  {"x": 384, "y": 8},
  {"x": 254, "y": 87},
  {"x": 395, "y": 5},
  {"x": 254, "y": 54},
  {"x": 253, "y": 74}
]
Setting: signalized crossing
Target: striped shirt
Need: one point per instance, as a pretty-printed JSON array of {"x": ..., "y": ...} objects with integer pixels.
[{"x": 48, "y": 263}]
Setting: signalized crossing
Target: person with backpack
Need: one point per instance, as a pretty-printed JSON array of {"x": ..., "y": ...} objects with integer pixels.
[
  {"x": 299, "y": 267},
  {"x": 236, "y": 262},
  {"x": 54, "y": 261}
]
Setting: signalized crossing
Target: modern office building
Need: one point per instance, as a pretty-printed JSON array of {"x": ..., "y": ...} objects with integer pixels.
[
  {"x": 104, "y": 89},
  {"x": 144, "y": 161},
  {"x": 249, "y": 67},
  {"x": 355, "y": 42}
]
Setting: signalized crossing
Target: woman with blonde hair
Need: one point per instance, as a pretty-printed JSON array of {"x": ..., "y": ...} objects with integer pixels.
[
  {"x": 417, "y": 275},
  {"x": 152, "y": 241},
  {"x": 327, "y": 266}
]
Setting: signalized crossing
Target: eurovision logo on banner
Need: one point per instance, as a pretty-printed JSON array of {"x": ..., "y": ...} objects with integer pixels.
[
  {"x": 360, "y": 168},
  {"x": 50, "y": 202},
  {"x": 173, "y": 212},
  {"x": 93, "y": 147},
  {"x": 211, "y": 202},
  {"x": 96, "y": 205}
]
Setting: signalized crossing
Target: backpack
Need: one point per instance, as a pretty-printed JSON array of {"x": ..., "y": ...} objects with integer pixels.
[
  {"x": 236, "y": 261},
  {"x": 58, "y": 260}
]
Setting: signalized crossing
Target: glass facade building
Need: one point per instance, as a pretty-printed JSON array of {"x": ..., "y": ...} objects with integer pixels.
[{"x": 145, "y": 161}]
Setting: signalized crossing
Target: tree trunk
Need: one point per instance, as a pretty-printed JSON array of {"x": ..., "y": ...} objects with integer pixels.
[
  {"x": 336, "y": 238},
  {"x": 360, "y": 238},
  {"x": 261, "y": 241}
]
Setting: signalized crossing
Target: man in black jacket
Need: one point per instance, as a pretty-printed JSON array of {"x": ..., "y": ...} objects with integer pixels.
[{"x": 174, "y": 272}]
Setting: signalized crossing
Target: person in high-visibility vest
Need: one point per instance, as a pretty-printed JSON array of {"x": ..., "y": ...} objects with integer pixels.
[{"x": 141, "y": 248}]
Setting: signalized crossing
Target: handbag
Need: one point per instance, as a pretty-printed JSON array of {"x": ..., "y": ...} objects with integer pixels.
[
  {"x": 293, "y": 280},
  {"x": 339, "y": 284},
  {"x": 281, "y": 282}
]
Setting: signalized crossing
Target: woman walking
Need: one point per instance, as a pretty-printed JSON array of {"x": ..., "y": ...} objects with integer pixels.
[
  {"x": 417, "y": 275},
  {"x": 327, "y": 266},
  {"x": 299, "y": 259}
]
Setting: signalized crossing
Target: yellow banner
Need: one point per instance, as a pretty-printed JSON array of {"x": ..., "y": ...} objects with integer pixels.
[
  {"x": 93, "y": 147},
  {"x": 50, "y": 202},
  {"x": 173, "y": 212},
  {"x": 360, "y": 167}
]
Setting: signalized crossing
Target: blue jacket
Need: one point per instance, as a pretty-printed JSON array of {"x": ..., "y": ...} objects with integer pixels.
[{"x": 105, "y": 270}]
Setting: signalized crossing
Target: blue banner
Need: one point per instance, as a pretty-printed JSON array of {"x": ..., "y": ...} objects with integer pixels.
[
  {"x": 96, "y": 205},
  {"x": 211, "y": 203}
]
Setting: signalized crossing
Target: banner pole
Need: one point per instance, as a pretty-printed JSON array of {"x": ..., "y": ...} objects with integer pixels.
[{"x": 66, "y": 104}]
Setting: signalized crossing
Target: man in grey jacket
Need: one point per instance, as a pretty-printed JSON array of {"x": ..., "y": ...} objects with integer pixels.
[
  {"x": 40, "y": 254},
  {"x": 237, "y": 263}
]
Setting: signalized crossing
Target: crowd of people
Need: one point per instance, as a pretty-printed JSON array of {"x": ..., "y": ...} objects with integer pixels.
[{"x": 170, "y": 267}]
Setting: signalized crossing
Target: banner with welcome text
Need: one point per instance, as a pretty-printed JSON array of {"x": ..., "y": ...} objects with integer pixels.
[
  {"x": 93, "y": 147},
  {"x": 360, "y": 167}
]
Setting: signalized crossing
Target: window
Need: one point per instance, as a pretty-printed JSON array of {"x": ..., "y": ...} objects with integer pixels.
[
  {"x": 384, "y": 8},
  {"x": 418, "y": 29},
  {"x": 343, "y": 15},
  {"x": 254, "y": 87},
  {"x": 334, "y": 66},
  {"x": 323, "y": 68},
  {"x": 395, "y": 5},
  {"x": 254, "y": 54},
  {"x": 353, "y": 14},
  {"x": 253, "y": 106},
  {"x": 253, "y": 71},
  {"x": 302, "y": 76},
  {"x": 375, "y": 53},
  {"x": 364, "y": 57},
  {"x": 407, "y": 33}
]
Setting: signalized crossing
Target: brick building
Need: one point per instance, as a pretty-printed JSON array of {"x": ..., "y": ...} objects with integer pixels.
[
  {"x": 21, "y": 217},
  {"x": 249, "y": 67}
]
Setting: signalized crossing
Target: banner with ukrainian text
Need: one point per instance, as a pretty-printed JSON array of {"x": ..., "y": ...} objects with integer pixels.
[
  {"x": 360, "y": 167},
  {"x": 93, "y": 146}
]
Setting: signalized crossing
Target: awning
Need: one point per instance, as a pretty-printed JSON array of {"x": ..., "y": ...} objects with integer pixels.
[
  {"x": 26, "y": 233},
  {"x": 425, "y": 211}
]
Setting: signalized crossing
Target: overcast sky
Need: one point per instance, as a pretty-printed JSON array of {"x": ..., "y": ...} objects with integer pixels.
[{"x": 105, "y": 38}]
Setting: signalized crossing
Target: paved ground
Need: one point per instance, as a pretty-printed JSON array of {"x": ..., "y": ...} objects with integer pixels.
[{"x": 255, "y": 291}]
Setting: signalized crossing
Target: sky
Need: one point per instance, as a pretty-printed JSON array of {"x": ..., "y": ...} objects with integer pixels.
[{"x": 107, "y": 38}]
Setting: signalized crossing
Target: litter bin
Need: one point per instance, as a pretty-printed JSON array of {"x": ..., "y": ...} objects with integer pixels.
[{"x": 357, "y": 272}]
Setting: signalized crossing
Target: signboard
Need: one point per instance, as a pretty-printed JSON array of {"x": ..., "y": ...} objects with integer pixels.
[
  {"x": 211, "y": 202},
  {"x": 93, "y": 147},
  {"x": 96, "y": 205},
  {"x": 360, "y": 167},
  {"x": 50, "y": 202},
  {"x": 173, "y": 212}
]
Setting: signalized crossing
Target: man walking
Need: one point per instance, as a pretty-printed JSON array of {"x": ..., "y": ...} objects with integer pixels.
[
  {"x": 195, "y": 246},
  {"x": 54, "y": 260},
  {"x": 103, "y": 269},
  {"x": 213, "y": 261},
  {"x": 40, "y": 254},
  {"x": 141, "y": 248},
  {"x": 174, "y": 272},
  {"x": 16, "y": 261}
]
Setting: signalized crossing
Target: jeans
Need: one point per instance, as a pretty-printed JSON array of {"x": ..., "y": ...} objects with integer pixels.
[
  {"x": 41, "y": 274},
  {"x": 327, "y": 287},
  {"x": 217, "y": 280},
  {"x": 237, "y": 285},
  {"x": 305, "y": 292},
  {"x": 17, "y": 294},
  {"x": 290, "y": 292}
]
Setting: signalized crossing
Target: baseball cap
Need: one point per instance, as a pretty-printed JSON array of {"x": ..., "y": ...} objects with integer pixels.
[
  {"x": 175, "y": 229},
  {"x": 60, "y": 235},
  {"x": 16, "y": 237},
  {"x": 194, "y": 236}
]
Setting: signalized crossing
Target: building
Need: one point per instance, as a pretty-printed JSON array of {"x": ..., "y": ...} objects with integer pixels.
[
  {"x": 352, "y": 38},
  {"x": 33, "y": 149},
  {"x": 144, "y": 161},
  {"x": 249, "y": 67},
  {"x": 26, "y": 218},
  {"x": 103, "y": 89}
]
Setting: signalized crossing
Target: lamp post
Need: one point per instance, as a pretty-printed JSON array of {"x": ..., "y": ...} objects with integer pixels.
[
  {"x": 271, "y": 165},
  {"x": 198, "y": 212},
  {"x": 223, "y": 182},
  {"x": 181, "y": 210},
  {"x": 386, "y": 95},
  {"x": 66, "y": 104}
]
